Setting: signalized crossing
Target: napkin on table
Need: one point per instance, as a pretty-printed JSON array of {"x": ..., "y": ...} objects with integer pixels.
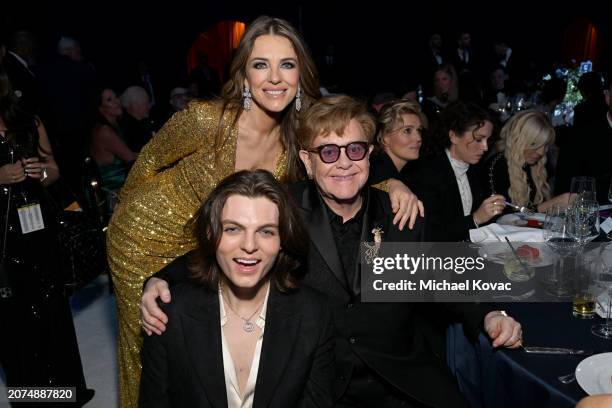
[{"x": 491, "y": 232}]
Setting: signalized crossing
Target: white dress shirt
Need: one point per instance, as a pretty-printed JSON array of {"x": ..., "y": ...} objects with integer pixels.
[
  {"x": 460, "y": 169},
  {"x": 234, "y": 399}
]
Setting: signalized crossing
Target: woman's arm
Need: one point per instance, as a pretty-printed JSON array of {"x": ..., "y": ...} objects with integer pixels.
[
  {"x": 45, "y": 152},
  {"x": 42, "y": 167},
  {"x": 154, "y": 381},
  {"x": 110, "y": 141}
]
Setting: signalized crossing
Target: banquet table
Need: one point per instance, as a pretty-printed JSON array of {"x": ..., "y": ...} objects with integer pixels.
[{"x": 513, "y": 378}]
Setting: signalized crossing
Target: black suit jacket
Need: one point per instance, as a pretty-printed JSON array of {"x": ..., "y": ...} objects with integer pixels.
[
  {"x": 184, "y": 366},
  {"x": 387, "y": 337},
  {"x": 436, "y": 185}
]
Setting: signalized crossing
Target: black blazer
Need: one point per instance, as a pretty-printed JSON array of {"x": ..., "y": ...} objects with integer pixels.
[
  {"x": 184, "y": 366},
  {"x": 387, "y": 337},
  {"x": 436, "y": 185}
]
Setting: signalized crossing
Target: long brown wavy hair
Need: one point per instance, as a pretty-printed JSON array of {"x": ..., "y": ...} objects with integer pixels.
[
  {"x": 207, "y": 229},
  {"x": 309, "y": 84}
]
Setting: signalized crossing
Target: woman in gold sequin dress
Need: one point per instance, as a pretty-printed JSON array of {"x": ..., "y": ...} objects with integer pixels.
[{"x": 272, "y": 78}]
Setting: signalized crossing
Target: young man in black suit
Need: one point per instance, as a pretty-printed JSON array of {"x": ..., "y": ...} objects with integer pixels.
[
  {"x": 382, "y": 356},
  {"x": 242, "y": 332}
]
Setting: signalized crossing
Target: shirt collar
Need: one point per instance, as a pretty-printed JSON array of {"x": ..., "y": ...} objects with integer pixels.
[
  {"x": 459, "y": 167},
  {"x": 335, "y": 218}
]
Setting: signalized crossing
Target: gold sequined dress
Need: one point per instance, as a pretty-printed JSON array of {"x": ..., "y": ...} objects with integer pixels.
[{"x": 174, "y": 173}]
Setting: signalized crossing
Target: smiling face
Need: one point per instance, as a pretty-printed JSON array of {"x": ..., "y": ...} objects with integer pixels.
[
  {"x": 403, "y": 143},
  {"x": 250, "y": 241},
  {"x": 339, "y": 182},
  {"x": 471, "y": 145},
  {"x": 272, "y": 73}
]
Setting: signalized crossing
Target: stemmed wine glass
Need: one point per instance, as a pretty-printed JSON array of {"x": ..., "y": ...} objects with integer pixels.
[{"x": 605, "y": 278}]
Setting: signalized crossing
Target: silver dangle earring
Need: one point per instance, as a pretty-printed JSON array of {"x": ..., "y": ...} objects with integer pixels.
[
  {"x": 247, "y": 101},
  {"x": 298, "y": 99}
]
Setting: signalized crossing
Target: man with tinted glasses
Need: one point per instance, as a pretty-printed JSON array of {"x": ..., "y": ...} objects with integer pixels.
[{"x": 382, "y": 358}]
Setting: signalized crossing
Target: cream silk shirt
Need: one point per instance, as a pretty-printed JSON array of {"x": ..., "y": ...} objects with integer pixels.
[{"x": 234, "y": 399}]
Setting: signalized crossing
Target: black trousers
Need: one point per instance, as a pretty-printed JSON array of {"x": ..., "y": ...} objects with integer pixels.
[{"x": 368, "y": 390}]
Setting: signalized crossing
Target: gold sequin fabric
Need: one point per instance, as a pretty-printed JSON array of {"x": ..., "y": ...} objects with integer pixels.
[{"x": 173, "y": 174}]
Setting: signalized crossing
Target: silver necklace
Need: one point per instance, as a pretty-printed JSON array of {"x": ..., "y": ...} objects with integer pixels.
[{"x": 247, "y": 325}]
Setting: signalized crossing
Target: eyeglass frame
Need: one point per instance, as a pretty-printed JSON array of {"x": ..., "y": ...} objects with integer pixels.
[{"x": 320, "y": 148}]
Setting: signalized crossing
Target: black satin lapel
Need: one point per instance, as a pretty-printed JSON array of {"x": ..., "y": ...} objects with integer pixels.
[
  {"x": 322, "y": 237},
  {"x": 203, "y": 343},
  {"x": 280, "y": 335}
]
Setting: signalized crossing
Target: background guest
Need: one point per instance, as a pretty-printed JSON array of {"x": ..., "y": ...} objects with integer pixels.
[
  {"x": 108, "y": 149},
  {"x": 399, "y": 136},
  {"x": 137, "y": 129},
  {"x": 38, "y": 345},
  {"x": 518, "y": 171},
  {"x": 449, "y": 184},
  {"x": 445, "y": 91}
]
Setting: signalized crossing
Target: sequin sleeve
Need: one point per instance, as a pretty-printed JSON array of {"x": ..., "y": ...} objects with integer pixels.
[{"x": 184, "y": 133}]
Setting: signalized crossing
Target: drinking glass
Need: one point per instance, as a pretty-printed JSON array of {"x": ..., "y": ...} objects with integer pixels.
[
  {"x": 584, "y": 187},
  {"x": 609, "y": 235},
  {"x": 605, "y": 279},
  {"x": 583, "y": 220},
  {"x": 558, "y": 234}
]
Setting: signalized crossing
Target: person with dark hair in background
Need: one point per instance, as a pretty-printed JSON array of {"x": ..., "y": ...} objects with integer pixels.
[
  {"x": 108, "y": 147},
  {"x": 243, "y": 315},
  {"x": 38, "y": 345},
  {"x": 449, "y": 184}
]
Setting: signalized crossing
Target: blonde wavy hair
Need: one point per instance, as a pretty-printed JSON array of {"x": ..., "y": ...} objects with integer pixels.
[
  {"x": 390, "y": 117},
  {"x": 526, "y": 130}
]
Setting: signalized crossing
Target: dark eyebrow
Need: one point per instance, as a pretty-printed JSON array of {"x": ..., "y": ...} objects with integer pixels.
[
  {"x": 225, "y": 222},
  {"x": 266, "y": 59},
  {"x": 270, "y": 225}
]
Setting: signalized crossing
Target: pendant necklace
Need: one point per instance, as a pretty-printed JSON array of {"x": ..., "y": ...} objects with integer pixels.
[{"x": 247, "y": 325}]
